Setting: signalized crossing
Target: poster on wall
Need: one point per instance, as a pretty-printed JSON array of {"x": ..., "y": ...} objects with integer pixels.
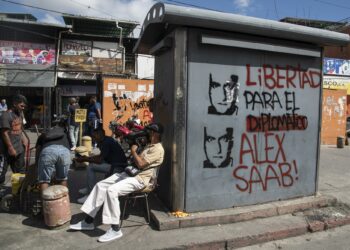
[
  {"x": 334, "y": 66},
  {"x": 13, "y": 52},
  {"x": 76, "y": 47},
  {"x": 25, "y": 64},
  {"x": 334, "y": 82}
]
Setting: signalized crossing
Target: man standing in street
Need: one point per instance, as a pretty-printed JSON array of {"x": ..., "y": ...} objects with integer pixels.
[
  {"x": 12, "y": 138},
  {"x": 94, "y": 115},
  {"x": 73, "y": 126}
]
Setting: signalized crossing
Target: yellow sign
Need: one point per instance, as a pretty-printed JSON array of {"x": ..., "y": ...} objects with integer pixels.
[
  {"x": 80, "y": 115},
  {"x": 331, "y": 82}
]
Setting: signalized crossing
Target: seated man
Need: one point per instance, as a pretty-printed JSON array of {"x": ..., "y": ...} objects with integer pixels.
[
  {"x": 54, "y": 155},
  {"x": 111, "y": 159},
  {"x": 106, "y": 193}
]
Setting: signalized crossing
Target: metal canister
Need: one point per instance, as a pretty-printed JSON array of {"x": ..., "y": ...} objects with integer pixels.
[{"x": 56, "y": 206}]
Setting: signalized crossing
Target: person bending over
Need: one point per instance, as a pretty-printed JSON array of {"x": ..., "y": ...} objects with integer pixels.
[
  {"x": 54, "y": 155},
  {"x": 111, "y": 159},
  {"x": 106, "y": 193}
]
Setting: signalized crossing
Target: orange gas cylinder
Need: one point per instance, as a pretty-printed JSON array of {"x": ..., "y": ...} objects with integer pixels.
[{"x": 56, "y": 206}]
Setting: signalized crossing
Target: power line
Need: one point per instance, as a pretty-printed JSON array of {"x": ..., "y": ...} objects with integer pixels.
[
  {"x": 191, "y": 5},
  {"x": 274, "y": 1},
  {"x": 333, "y": 4},
  {"x": 91, "y": 7},
  {"x": 55, "y": 11},
  {"x": 59, "y": 12},
  {"x": 55, "y": 38},
  {"x": 35, "y": 7}
]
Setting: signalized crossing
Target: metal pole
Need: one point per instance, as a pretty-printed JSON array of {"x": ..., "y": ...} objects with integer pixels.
[{"x": 80, "y": 133}]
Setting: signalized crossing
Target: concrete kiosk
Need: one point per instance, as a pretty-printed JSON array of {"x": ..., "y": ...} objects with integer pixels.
[{"x": 240, "y": 100}]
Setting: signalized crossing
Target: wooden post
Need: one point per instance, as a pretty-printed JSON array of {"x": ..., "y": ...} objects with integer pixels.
[{"x": 80, "y": 132}]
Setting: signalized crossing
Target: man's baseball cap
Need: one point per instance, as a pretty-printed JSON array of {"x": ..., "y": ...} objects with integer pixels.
[{"x": 156, "y": 127}]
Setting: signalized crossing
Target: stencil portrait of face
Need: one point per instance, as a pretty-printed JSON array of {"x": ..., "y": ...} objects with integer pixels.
[
  {"x": 223, "y": 96},
  {"x": 217, "y": 148}
]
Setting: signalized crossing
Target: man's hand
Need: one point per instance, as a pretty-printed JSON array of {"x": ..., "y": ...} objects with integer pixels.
[
  {"x": 139, "y": 161},
  {"x": 12, "y": 152},
  {"x": 133, "y": 148}
]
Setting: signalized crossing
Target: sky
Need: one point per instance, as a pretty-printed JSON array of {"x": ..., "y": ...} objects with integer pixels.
[{"x": 136, "y": 10}]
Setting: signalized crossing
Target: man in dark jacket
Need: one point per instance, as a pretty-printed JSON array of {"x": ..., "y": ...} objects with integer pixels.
[
  {"x": 54, "y": 155},
  {"x": 111, "y": 159}
]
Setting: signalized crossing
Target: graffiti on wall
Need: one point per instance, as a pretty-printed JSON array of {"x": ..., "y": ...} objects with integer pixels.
[
  {"x": 272, "y": 110},
  {"x": 218, "y": 148},
  {"x": 264, "y": 142},
  {"x": 223, "y": 96},
  {"x": 128, "y": 104}
]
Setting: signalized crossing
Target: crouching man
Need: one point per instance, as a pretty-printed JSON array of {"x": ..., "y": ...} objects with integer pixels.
[{"x": 106, "y": 193}]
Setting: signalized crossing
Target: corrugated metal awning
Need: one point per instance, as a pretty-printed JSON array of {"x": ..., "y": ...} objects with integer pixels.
[
  {"x": 99, "y": 26},
  {"x": 26, "y": 77},
  {"x": 162, "y": 18}
]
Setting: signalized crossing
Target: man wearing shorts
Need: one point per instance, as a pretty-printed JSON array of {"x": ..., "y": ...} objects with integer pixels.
[{"x": 54, "y": 155}]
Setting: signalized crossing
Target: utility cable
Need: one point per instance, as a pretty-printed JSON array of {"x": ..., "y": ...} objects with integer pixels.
[
  {"x": 36, "y": 7},
  {"x": 333, "y": 4},
  {"x": 191, "y": 5},
  {"x": 55, "y": 38}
]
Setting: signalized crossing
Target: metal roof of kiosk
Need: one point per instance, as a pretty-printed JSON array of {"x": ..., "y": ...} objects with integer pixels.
[{"x": 162, "y": 18}]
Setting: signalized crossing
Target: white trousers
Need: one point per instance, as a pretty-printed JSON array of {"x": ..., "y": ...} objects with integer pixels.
[{"x": 107, "y": 193}]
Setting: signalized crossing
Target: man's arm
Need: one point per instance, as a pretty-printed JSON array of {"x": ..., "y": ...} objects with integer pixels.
[
  {"x": 139, "y": 161},
  {"x": 6, "y": 138}
]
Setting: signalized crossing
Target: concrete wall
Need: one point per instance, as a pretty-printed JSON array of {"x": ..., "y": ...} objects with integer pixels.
[{"x": 231, "y": 160}]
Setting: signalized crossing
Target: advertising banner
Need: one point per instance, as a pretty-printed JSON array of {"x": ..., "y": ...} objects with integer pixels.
[
  {"x": 76, "y": 48},
  {"x": 334, "y": 82},
  {"x": 14, "y": 52},
  {"x": 333, "y": 66}
]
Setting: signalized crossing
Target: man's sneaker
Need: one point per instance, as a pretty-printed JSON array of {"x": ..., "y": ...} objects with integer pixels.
[
  {"x": 83, "y": 191},
  {"x": 111, "y": 234},
  {"x": 82, "y": 199},
  {"x": 72, "y": 148},
  {"x": 82, "y": 226}
]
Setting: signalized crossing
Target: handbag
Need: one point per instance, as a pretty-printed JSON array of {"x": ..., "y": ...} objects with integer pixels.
[{"x": 132, "y": 171}]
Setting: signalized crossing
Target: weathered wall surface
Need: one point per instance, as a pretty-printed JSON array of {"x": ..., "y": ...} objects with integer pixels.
[
  {"x": 132, "y": 100},
  {"x": 333, "y": 115},
  {"x": 252, "y": 126}
]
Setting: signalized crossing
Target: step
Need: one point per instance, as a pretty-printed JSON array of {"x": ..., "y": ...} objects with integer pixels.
[
  {"x": 164, "y": 220},
  {"x": 241, "y": 234}
]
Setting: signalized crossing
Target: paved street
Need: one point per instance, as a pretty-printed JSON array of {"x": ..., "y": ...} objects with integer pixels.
[
  {"x": 334, "y": 180},
  {"x": 21, "y": 232}
]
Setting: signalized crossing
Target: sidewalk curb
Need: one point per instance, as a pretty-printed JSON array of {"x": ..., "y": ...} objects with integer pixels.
[{"x": 165, "y": 221}]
